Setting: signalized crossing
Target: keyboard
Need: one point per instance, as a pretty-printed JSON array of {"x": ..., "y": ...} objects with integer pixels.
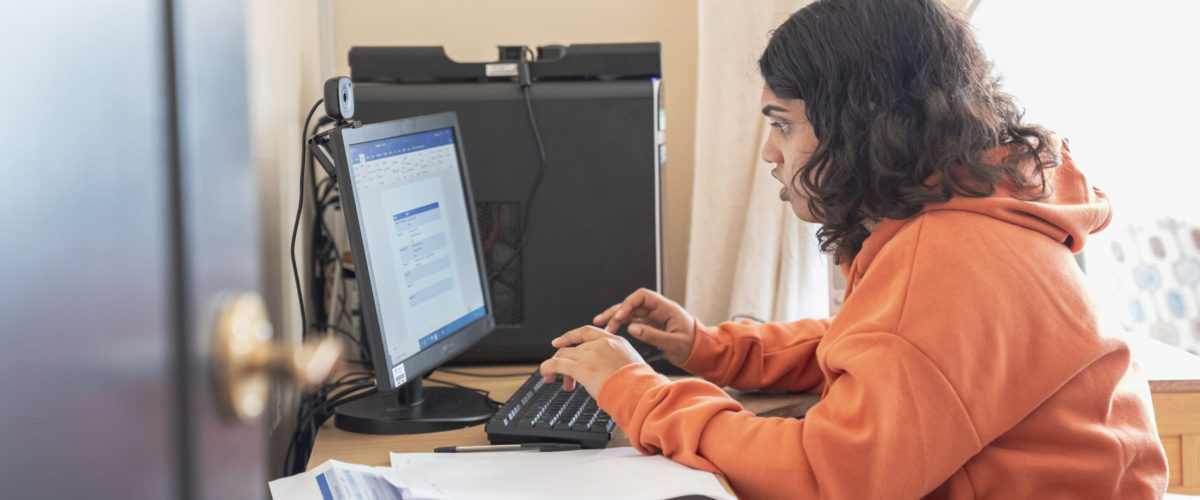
[{"x": 543, "y": 412}]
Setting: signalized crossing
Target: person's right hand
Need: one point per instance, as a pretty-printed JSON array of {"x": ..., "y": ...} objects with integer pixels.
[{"x": 655, "y": 320}]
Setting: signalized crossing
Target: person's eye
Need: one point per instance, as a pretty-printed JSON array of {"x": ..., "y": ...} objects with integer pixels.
[{"x": 783, "y": 127}]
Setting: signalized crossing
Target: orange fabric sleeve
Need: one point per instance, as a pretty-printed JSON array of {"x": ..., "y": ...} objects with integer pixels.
[
  {"x": 891, "y": 426},
  {"x": 749, "y": 355}
]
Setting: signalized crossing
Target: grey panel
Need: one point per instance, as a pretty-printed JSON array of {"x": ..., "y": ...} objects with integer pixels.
[{"x": 84, "y": 355}]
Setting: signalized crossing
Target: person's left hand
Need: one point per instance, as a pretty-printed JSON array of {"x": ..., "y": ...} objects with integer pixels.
[{"x": 596, "y": 355}]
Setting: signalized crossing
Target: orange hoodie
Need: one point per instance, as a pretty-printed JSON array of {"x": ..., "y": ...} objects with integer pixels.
[{"x": 966, "y": 362}]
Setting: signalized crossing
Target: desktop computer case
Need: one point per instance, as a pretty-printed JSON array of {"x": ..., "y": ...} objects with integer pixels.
[{"x": 594, "y": 233}]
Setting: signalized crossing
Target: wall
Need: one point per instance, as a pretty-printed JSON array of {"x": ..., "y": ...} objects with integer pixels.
[
  {"x": 285, "y": 70},
  {"x": 470, "y": 30}
]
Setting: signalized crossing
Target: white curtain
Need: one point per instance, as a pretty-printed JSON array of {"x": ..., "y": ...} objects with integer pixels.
[{"x": 748, "y": 253}]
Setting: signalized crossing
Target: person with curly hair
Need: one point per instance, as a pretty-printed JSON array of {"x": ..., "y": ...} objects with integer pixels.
[{"x": 967, "y": 360}]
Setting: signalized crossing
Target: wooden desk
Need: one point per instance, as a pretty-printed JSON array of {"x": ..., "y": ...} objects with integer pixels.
[
  {"x": 371, "y": 449},
  {"x": 1175, "y": 389},
  {"x": 1174, "y": 386}
]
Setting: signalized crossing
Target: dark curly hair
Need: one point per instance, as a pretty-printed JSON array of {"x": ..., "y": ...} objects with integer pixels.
[{"x": 897, "y": 91}]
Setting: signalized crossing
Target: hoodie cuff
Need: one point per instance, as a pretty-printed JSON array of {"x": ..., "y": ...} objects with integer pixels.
[
  {"x": 621, "y": 393},
  {"x": 704, "y": 344}
]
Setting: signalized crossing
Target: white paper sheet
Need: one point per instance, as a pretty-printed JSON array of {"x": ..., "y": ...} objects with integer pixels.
[{"x": 584, "y": 474}]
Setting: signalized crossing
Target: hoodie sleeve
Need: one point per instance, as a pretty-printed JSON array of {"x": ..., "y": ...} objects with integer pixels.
[
  {"x": 890, "y": 426},
  {"x": 749, "y": 355}
]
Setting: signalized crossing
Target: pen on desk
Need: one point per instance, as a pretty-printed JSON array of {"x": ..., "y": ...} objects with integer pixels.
[{"x": 510, "y": 447}]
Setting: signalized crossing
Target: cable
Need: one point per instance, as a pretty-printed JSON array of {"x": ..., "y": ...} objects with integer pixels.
[
  {"x": 319, "y": 242},
  {"x": 363, "y": 352},
  {"x": 328, "y": 268},
  {"x": 299, "y": 210},
  {"x": 349, "y": 394},
  {"x": 316, "y": 408},
  {"x": 337, "y": 329},
  {"x": 343, "y": 378},
  {"x": 541, "y": 172}
]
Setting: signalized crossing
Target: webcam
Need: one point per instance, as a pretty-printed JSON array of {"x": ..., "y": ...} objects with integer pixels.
[{"x": 339, "y": 98}]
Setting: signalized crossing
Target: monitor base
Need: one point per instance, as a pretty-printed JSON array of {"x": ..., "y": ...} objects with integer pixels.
[{"x": 434, "y": 409}]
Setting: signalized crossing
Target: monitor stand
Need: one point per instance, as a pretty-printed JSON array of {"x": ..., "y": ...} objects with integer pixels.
[{"x": 414, "y": 410}]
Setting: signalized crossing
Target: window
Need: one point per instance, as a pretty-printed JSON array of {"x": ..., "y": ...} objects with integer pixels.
[{"x": 1120, "y": 81}]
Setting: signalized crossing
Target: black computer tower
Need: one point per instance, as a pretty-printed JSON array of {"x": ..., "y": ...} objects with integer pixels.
[{"x": 594, "y": 226}]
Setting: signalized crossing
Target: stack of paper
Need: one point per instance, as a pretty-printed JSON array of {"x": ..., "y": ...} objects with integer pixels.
[{"x": 583, "y": 474}]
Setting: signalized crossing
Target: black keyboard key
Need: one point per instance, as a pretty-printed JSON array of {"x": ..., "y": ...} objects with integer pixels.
[{"x": 541, "y": 411}]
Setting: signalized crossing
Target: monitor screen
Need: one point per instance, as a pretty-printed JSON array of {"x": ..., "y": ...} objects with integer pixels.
[
  {"x": 410, "y": 219},
  {"x": 417, "y": 237}
]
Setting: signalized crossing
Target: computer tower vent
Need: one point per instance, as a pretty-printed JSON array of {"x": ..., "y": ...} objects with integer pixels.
[{"x": 499, "y": 235}]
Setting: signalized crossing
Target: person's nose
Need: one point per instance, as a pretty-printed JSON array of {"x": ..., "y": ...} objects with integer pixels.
[{"x": 771, "y": 154}]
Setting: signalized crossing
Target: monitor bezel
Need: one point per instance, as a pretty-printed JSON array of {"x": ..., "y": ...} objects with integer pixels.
[{"x": 443, "y": 350}]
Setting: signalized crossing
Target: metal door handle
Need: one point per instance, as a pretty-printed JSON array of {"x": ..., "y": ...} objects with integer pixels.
[{"x": 245, "y": 359}]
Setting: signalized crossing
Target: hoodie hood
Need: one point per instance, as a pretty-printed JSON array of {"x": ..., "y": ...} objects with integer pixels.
[{"x": 1069, "y": 215}]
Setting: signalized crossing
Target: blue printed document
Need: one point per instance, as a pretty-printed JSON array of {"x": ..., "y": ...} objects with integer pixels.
[{"x": 335, "y": 480}]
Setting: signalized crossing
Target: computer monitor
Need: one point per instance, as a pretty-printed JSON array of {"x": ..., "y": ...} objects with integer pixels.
[{"x": 423, "y": 291}]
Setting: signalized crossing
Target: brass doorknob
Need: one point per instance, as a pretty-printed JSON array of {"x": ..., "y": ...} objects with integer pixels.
[{"x": 245, "y": 359}]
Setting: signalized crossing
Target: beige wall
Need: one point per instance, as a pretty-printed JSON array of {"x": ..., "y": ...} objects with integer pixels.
[
  {"x": 284, "y": 76},
  {"x": 470, "y": 30}
]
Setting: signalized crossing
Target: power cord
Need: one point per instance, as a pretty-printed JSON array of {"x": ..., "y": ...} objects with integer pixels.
[
  {"x": 299, "y": 210},
  {"x": 526, "y": 82},
  {"x": 329, "y": 283},
  {"x": 316, "y": 408},
  {"x": 364, "y": 354}
]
